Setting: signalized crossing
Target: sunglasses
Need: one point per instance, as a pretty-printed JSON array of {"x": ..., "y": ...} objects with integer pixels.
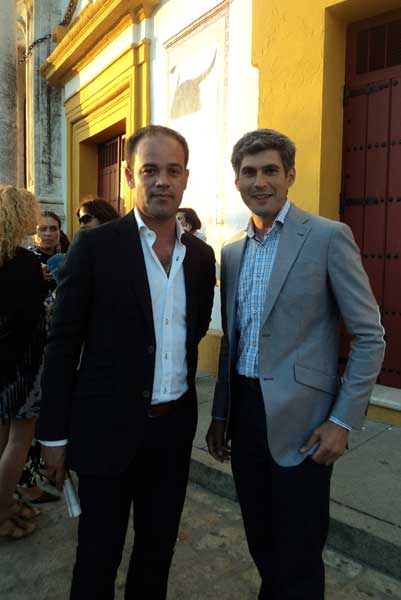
[{"x": 85, "y": 219}]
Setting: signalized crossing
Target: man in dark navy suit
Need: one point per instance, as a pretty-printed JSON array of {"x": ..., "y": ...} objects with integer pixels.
[{"x": 135, "y": 296}]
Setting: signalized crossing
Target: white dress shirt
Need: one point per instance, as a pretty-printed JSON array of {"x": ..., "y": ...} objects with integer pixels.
[{"x": 169, "y": 316}]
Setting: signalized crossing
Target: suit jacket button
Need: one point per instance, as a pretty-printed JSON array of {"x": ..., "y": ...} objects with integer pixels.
[
  {"x": 151, "y": 349},
  {"x": 146, "y": 394}
]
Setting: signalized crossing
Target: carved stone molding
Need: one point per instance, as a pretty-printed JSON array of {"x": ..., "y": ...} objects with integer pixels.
[{"x": 94, "y": 28}]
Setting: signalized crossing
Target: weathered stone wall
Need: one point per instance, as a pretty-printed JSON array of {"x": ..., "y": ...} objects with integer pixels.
[
  {"x": 8, "y": 112},
  {"x": 45, "y": 113}
]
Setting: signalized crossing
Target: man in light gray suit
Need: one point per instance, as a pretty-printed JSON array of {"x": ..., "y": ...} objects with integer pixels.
[{"x": 285, "y": 282}]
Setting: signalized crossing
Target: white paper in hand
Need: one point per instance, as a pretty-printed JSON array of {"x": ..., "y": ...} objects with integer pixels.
[{"x": 71, "y": 498}]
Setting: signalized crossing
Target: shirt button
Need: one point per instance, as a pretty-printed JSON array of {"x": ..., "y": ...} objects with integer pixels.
[
  {"x": 151, "y": 349},
  {"x": 145, "y": 394}
]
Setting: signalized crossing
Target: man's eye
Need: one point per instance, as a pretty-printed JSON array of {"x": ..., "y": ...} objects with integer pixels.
[
  {"x": 148, "y": 170},
  {"x": 174, "y": 172}
]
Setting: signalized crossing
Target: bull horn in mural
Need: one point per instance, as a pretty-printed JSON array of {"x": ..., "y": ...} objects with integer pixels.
[{"x": 187, "y": 96}]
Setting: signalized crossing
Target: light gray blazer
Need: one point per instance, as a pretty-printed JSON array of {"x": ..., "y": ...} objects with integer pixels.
[{"x": 317, "y": 276}]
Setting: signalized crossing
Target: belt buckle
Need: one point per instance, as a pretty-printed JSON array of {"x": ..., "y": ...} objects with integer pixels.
[{"x": 164, "y": 407}]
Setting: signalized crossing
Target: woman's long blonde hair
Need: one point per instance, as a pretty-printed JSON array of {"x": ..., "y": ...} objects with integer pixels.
[{"x": 19, "y": 215}]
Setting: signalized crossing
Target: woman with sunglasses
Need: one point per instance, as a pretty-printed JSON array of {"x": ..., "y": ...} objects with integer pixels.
[{"x": 95, "y": 212}]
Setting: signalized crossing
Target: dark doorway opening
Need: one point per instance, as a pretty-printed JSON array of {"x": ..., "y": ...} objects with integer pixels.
[{"x": 110, "y": 171}]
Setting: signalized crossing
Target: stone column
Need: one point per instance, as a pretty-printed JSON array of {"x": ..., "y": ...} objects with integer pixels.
[
  {"x": 44, "y": 113},
  {"x": 8, "y": 110},
  {"x": 20, "y": 103}
]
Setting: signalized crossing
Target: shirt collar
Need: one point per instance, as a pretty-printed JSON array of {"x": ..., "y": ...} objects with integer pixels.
[
  {"x": 143, "y": 228},
  {"x": 278, "y": 220}
]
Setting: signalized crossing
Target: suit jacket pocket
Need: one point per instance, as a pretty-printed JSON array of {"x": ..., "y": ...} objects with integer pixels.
[
  {"x": 315, "y": 379},
  {"x": 95, "y": 383}
]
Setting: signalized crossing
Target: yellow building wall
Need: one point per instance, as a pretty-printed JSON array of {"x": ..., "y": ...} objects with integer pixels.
[{"x": 299, "y": 49}]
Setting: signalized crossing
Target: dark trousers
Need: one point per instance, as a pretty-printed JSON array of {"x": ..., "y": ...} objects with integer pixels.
[
  {"x": 155, "y": 483},
  {"x": 285, "y": 509}
]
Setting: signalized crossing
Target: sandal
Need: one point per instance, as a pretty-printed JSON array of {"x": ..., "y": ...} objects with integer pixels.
[
  {"x": 42, "y": 498},
  {"x": 14, "y": 529},
  {"x": 45, "y": 497},
  {"x": 25, "y": 510}
]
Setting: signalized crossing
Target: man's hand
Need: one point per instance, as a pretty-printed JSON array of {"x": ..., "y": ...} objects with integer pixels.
[
  {"x": 215, "y": 441},
  {"x": 54, "y": 459},
  {"x": 332, "y": 440}
]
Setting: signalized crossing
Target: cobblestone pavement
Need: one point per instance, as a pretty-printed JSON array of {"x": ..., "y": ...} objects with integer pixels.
[{"x": 211, "y": 560}]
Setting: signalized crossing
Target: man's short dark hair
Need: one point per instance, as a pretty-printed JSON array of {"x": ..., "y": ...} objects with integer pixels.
[
  {"x": 152, "y": 131},
  {"x": 260, "y": 140}
]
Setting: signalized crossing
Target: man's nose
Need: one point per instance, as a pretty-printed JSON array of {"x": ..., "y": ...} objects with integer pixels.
[
  {"x": 162, "y": 179},
  {"x": 260, "y": 180}
]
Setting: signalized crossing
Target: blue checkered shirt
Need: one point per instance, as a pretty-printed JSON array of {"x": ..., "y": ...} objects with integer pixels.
[{"x": 256, "y": 268}]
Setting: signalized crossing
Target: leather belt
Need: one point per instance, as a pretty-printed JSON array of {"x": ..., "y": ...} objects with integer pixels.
[
  {"x": 161, "y": 410},
  {"x": 252, "y": 383}
]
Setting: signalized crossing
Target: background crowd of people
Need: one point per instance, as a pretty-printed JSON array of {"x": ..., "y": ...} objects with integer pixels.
[{"x": 29, "y": 238}]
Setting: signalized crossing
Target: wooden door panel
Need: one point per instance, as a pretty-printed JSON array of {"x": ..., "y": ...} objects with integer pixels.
[
  {"x": 392, "y": 283},
  {"x": 391, "y": 302},
  {"x": 391, "y": 372},
  {"x": 353, "y": 217},
  {"x": 374, "y": 267},
  {"x": 376, "y": 171},
  {"x": 378, "y": 113},
  {"x": 394, "y": 184},
  {"x": 371, "y": 179},
  {"x": 353, "y": 181}
]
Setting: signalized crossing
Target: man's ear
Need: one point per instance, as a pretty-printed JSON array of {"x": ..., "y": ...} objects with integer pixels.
[
  {"x": 237, "y": 183},
  {"x": 186, "y": 178},
  {"x": 292, "y": 174},
  {"x": 129, "y": 176}
]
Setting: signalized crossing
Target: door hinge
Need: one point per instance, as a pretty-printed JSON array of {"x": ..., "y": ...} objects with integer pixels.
[
  {"x": 373, "y": 88},
  {"x": 344, "y": 202}
]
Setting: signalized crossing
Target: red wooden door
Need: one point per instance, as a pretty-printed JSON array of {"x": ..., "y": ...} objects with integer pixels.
[
  {"x": 371, "y": 178},
  {"x": 109, "y": 172}
]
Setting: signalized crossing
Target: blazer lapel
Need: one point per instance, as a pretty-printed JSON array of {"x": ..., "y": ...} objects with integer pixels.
[
  {"x": 190, "y": 275},
  {"x": 293, "y": 235},
  {"x": 134, "y": 264},
  {"x": 235, "y": 252}
]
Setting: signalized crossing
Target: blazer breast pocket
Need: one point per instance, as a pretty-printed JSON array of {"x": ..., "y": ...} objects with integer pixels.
[
  {"x": 304, "y": 287},
  {"x": 313, "y": 378},
  {"x": 308, "y": 274}
]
